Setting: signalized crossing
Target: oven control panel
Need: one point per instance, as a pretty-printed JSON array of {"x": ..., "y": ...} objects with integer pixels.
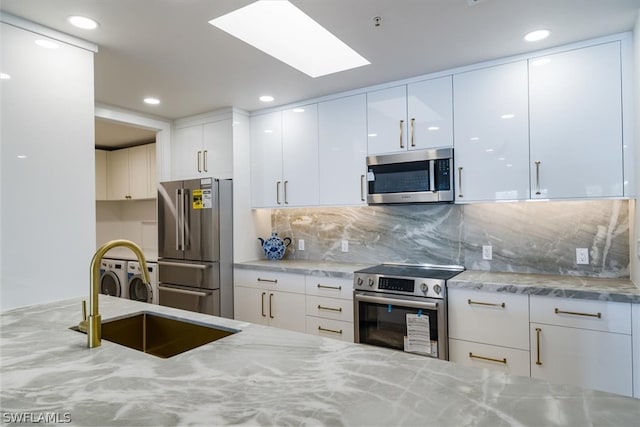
[{"x": 431, "y": 288}]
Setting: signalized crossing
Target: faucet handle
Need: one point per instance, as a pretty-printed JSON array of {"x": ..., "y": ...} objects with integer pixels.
[{"x": 82, "y": 326}]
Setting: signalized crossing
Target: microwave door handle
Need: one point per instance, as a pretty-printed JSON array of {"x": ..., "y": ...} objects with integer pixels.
[
  {"x": 432, "y": 176},
  {"x": 397, "y": 302}
]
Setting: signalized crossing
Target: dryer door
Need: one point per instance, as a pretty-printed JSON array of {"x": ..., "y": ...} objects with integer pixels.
[
  {"x": 140, "y": 291},
  {"x": 110, "y": 284}
]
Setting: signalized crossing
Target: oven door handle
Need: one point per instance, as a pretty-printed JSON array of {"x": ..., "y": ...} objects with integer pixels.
[{"x": 398, "y": 302}]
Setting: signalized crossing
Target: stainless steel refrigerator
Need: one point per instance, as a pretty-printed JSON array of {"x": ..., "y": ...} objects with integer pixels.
[{"x": 195, "y": 245}]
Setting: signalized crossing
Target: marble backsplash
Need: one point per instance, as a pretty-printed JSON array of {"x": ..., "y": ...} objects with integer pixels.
[{"x": 526, "y": 237}]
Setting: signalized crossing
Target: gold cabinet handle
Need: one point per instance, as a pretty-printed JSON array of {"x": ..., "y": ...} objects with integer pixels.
[
  {"x": 204, "y": 157},
  {"x": 487, "y": 304},
  {"x": 271, "y": 306},
  {"x": 460, "y": 182},
  {"x": 362, "y": 188},
  {"x": 286, "y": 202},
  {"x": 199, "y": 161},
  {"x": 401, "y": 129},
  {"x": 267, "y": 280},
  {"x": 321, "y": 307},
  {"x": 320, "y": 328},
  {"x": 538, "y": 177},
  {"x": 278, "y": 192},
  {"x": 413, "y": 122},
  {"x": 538, "y": 331},
  {"x": 575, "y": 313},
  {"x": 337, "y": 288},
  {"x": 490, "y": 359},
  {"x": 262, "y": 304}
]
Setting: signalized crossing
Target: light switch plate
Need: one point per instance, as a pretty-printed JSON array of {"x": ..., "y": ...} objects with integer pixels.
[
  {"x": 487, "y": 252},
  {"x": 345, "y": 246},
  {"x": 300, "y": 244}
]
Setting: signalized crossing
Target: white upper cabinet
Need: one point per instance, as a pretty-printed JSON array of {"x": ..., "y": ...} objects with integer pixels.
[
  {"x": 266, "y": 160},
  {"x": 300, "y": 156},
  {"x": 203, "y": 150},
  {"x": 430, "y": 114},
  {"x": 576, "y": 123},
  {"x": 131, "y": 173},
  {"x": 410, "y": 117},
  {"x": 342, "y": 128},
  {"x": 101, "y": 174},
  {"x": 491, "y": 133}
]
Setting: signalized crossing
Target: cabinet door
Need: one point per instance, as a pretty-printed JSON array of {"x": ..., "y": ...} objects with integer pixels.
[
  {"x": 430, "y": 113},
  {"x": 576, "y": 123},
  {"x": 138, "y": 172},
  {"x": 217, "y": 149},
  {"x": 387, "y": 120},
  {"x": 118, "y": 175},
  {"x": 635, "y": 327},
  {"x": 510, "y": 360},
  {"x": 152, "y": 191},
  {"x": 101, "y": 174},
  {"x": 587, "y": 358},
  {"x": 492, "y": 133},
  {"x": 287, "y": 311},
  {"x": 342, "y": 129},
  {"x": 186, "y": 152},
  {"x": 300, "y": 156},
  {"x": 250, "y": 305},
  {"x": 266, "y": 160}
]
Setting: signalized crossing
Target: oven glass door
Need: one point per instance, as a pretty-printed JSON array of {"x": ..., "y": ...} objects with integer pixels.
[{"x": 382, "y": 321}]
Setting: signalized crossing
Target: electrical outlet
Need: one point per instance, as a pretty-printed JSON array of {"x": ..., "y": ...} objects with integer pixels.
[
  {"x": 487, "y": 252},
  {"x": 582, "y": 256},
  {"x": 300, "y": 244},
  {"x": 345, "y": 246}
]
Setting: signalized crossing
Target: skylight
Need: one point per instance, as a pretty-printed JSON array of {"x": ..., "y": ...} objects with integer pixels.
[{"x": 283, "y": 31}]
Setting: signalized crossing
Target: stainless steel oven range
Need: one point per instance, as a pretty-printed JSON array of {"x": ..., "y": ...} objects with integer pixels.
[{"x": 404, "y": 307}]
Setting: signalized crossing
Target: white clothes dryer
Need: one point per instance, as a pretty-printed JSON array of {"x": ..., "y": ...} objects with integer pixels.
[
  {"x": 113, "y": 277},
  {"x": 137, "y": 289}
]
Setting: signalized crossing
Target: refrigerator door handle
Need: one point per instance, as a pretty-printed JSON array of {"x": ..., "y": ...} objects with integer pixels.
[
  {"x": 185, "y": 221},
  {"x": 178, "y": 204}
]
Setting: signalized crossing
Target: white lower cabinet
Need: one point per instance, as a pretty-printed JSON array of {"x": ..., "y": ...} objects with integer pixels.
[
  {"x": 274, "y": 299},
  {"x": 329, "y": 307},
  {"x": 489, "y": 330},
  {"x": 635, "y": 328},
  {"x": 584, "y": 343}
]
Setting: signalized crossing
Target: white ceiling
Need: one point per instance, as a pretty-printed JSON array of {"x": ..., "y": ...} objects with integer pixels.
[{"x": 167, "y": 49}]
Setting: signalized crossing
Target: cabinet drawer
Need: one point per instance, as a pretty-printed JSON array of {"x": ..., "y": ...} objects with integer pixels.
[
  {"x": 510, "y": 360},
  {"x": 587, "y": 314},
  {"x": 489, "y": 317},
  {"x": 261, "y": 279},
  {"x": 333, "y": 287},
  {"x": 330, "y": 308},
  {"x": 330, "y": 328}
]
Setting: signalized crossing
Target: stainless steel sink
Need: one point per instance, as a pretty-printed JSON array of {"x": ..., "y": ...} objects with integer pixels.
[{"x": 159, "y": 335}]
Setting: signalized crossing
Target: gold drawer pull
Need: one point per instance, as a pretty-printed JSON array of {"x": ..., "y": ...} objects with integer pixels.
[
  {"x": 490, "y": 359},
  {"x": 337, "y": 288},
  {"x": 268, "y": 280},
  {"x": 488, "y": 304},
  {"x": 320, "y": 307},
  {"x": 598, "y": 315},
  {"x": 320, "y": 328}
]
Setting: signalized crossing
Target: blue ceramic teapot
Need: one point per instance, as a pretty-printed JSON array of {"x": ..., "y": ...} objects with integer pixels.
[{"x": 274, "y": 247}]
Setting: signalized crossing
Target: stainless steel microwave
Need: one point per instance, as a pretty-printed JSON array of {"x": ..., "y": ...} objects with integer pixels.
[{"x": 419, "y": 176}]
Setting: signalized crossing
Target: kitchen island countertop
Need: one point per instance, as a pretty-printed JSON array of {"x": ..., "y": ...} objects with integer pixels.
[{"x": 266, "y": 376}]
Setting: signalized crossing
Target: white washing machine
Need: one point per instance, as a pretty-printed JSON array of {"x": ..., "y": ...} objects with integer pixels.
[
  {"x": 136, "y": 288},
  {"x": 113, "y": 277}
]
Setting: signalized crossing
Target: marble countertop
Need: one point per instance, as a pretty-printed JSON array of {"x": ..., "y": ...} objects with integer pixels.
[
  {"x": 620, "y": 290},
  {"x": 266, "y": 376}
]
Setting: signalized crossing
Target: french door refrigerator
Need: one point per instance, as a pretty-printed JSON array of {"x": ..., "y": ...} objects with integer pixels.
[{"x": 195, "y": 245}]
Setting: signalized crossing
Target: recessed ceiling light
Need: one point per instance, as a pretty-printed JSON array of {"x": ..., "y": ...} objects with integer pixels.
[
  {"x": 47, "y": 44},
  {"x": 266, "y": 98},
  {"x": 152, "y": 101},
  {"x": 537, "y": 35},
  {"x": 540, "y": 61},
  {"x": 507, "y": 116},
  {"x": 4, "y": 76},
  {"x": 22, "y": 156},
  {"x": 283, "y": 31},
  {"x": 298, "y": 110},
  {"x": 83, "y": 22},
  {"x": 268, "y": 131}
]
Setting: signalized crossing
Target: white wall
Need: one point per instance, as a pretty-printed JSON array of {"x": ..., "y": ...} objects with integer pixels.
[
  {"x": 634, "y": 232},
  {"x": 48, "y": 197},
  {"x": 135, "y": 220}
]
